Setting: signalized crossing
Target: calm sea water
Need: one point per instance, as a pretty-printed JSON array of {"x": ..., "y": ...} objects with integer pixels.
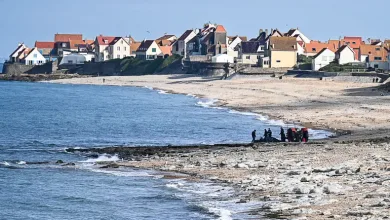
[{"x": 39, "y": 120}]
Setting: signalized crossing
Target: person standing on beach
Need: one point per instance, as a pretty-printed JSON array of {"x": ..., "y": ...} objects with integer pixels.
[
  {"x": 282, "y": 135},
  {"x": 253, "y": 136},
  {"x": 265, "y": 135},
  {"x": 269, "y": 134}
]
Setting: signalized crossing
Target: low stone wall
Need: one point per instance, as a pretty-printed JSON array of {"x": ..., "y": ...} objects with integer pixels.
[
  {"x": 18, "y": 68},
  {"x": 206, "y": 68},
  {"x": 341, "y": 76},
  {"x": 259, "y": 70}
]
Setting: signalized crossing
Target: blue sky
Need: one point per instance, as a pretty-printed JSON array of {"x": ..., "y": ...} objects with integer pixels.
[{"x": 30, "y": 20}]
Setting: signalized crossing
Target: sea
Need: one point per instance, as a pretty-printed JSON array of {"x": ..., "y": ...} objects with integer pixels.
[{"x": 40, "y": 120}]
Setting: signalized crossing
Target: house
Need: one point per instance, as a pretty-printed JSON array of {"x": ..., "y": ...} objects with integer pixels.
[
  {"x": 22, "y": 55},
  {"x": 47, "y": 49},
  {"x": 314, "y": 47},
  {"x": 282, "y": 52},
  {"x": 14, "y": 55},
  {"x": 345, "y": 54},
  {"x": 76, "y": 58},
  {"x": 215, "y": 42},
  {"x": 180, "y": 46},
  {"x": 133, "y": 48},
  {"x": 149, "y": 50},
  {"x": 34, "y": 57},
  {"x": 107, "y": 48},
  {"x": 168, "y": 37},
  {"x": 374, "y": 56},
  {"x": 295, "y": 32},
  {"x": 233, "y": 45},
  {"x": 323, "y": 58},
  {"x": 354, "y": 43},
  {"x": 251, "y": 52},
  {"x": 202, "y": 43},
  {"x": 62, "y": 41}
]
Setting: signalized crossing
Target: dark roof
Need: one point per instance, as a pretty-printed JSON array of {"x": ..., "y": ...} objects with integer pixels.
[
  {"x": 165, "y": 37},
  {"x": 116, "y": 39},
  {"x": 145, "y": 45},
  {"x": 341, "y": 48},
  {"x": 283, "y": 43},
  {"x": 319, "y": 53},
  {"x": 185, "y": 35},
  {"x": 290, "y": 32},
  {"x": 21, "y": 45},
  {"x": 250, "y": 46}
]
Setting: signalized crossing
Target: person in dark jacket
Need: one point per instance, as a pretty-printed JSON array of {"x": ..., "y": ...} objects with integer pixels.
[
  {"x": 265, "y": 134},
  {"x": 290, "y": 137},
  {"x": 282, "y": 135},
  {"x": 253, "y": 136}
]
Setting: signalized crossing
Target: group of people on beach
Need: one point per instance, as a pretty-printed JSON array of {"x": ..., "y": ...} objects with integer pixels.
[{"x": 293, "y": 135}]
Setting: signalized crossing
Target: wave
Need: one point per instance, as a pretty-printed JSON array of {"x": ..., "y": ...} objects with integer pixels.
[
  {"x": 102, "y": 158},
  {"x": 206, "y": 103},
  {"x": 22, "y": 162},
  {"x": 123, "y": 173},
  {"x": 163, "y": 92},
  {"x": 5, "y": 163},
  {"x": 148, "y": 87}
]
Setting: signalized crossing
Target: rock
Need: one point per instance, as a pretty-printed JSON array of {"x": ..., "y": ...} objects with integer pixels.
[
  {"x": 241, "y": 166},
  {"x": 304, "y": 180},
  {"x": 358, "y": 213},
  {"x": 322, "y": 170},
  {"x": 242, "y": 201},
  {"x": 357, "y": 170},
  {"x": 69, "y": 164},
  {"x": 293, "y": 173},
  {"x": 59, "y": 162},
  {"x": 112, "y": 165}
]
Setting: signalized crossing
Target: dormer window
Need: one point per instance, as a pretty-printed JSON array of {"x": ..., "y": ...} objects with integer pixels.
[
  {"x": 106, "y": 41},
  {"x": 353, "y": 42},
  {"x": 377, "y": 49},
  {"x": 313, "y": 49}
]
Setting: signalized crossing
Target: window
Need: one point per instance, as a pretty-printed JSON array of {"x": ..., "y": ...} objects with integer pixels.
[
  {"x": 121, "y": 41},
  {"x": 108, "y": 57},
  {"x": 353, "y": 42},
  {"x": 377, "y": 49},
  {"x": 119, "y": 56},
  {"x": 119, "y": 48},
  {"x": 248, "y": 57},
  {"x": 258, "y": 57},
  {"x": 125, "y": 49},
  {"x": 376, "y": 66},
  {"x": 278, "y": 61},
  {"x": 35, "y": 55},
  {"x": 261, "y": 48},
  {"x": 154, "y": 50},
  {"x": 369, "y": 52},
  {"x": 313, "y": 49},
  {"x": 378, "y": 58},
  {"x": 64, "y": 44},
  {"x": 70, "y": 61}
]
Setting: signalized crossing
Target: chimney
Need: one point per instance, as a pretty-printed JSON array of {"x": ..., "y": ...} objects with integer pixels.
[
  {"x": 295, "y": 47},
  {"x": 260, "y": 32},
  {"x": 272, "y": 30},
  {"x": 266, "y": 32},
  {"x": 273, "y": 46}
]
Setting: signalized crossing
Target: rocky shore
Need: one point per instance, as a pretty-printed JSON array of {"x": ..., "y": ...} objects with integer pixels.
[
  {"x": 347, "y": 179},
  {"x": 39, "y": 77}
]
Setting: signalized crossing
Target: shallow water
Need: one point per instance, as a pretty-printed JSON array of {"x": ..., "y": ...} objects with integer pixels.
[{"x": 40, "y": 120}]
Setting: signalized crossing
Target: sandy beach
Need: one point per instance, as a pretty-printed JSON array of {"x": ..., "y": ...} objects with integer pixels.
[{"x": 335, "y": 105}]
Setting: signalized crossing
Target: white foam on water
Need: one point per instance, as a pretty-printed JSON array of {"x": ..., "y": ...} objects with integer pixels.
[
  {"x": 102, "y": 158},
  {"x": 223, "y": 214},
  {"x": 191, "y": 95},
  {"x": 123, "y": 173},
  {"x": 148, "y": 87},
  {"x": 5, "y": 163},
  {"x": 163, "y": 92},
  {"x": 206, "y": 103},
  {"x": 22, "y": 163}
]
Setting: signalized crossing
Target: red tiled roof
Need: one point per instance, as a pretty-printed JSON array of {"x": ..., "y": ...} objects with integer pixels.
[
  {"x": 317, "y": 46},
  {"x": 220, "y": 28},
  {"x": 104, "y": 40},
  {"x": 41, "y": 45},
  {"x": 67, "y": 37},
  {"x": 166, "y": 50}
]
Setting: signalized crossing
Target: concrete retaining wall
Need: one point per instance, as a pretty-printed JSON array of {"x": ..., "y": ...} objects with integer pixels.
[
  {"x": 340, "y": 76},
  {"x": 206, "y": 68},
  {"x": 17, "y": 68}
]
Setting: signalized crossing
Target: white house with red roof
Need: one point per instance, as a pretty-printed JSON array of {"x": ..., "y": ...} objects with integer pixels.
[
  {"x": 34, "y": 57},
  {"x": 322, "y": 59},
  {"x": 107, "y": 48}
]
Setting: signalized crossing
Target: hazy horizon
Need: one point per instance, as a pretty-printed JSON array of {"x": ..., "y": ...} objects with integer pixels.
[{"x": 150, "y": 19}]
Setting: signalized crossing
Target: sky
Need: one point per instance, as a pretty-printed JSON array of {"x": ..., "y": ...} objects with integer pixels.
[{"x": 38, "y": 20}]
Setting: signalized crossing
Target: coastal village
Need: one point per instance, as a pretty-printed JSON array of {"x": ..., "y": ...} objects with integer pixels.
[{"x": 270, "y": 48}]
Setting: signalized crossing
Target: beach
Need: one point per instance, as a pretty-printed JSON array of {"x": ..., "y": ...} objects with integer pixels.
[
  {"x": 345, "y": 177},
  {"x": 335, "y": 105}
]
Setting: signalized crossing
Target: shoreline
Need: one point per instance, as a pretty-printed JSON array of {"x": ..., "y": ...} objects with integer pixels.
[
  {"x": 326, "y": 179},
  {"x": 341, "y": 107}
]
